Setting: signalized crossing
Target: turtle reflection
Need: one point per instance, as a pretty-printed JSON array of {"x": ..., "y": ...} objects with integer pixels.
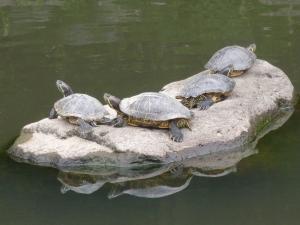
[
  {"x": 213, "y": 173},
  {"x": 80, "y": 183},
  {"x": 156, "y": 187}
]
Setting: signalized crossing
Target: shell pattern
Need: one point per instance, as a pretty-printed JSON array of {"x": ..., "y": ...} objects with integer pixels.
[
  {"x": 154, "y": 106},
  {"x": 203, "y": 84},
  {"x": 80, "y": 105},
  {"x": 241, "y": 58}
]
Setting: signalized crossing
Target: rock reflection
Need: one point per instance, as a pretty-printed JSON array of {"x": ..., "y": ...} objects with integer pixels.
[
  {"x": 157, "y": 180},
  {"x": 152, "y": 182}
]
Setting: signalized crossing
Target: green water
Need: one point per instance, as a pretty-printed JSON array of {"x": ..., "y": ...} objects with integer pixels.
[{"x": 126, "y": 47}]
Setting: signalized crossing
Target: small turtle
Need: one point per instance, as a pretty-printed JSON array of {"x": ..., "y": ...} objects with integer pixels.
[
  {"x": 151, "y": 109},
  {"x": 232, "y": 60},
  {"x": 204, "y": 90},
  {"x": 79, "y": 109}
]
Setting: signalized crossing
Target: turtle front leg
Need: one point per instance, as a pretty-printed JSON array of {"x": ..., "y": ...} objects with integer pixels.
[
  {"x": 205, "y": 104},
  {"x": 94, "y": 124},
  {"x": 175, "y": 132},
  {"x": 116, "y": 122},
  {"x": 53, "y": 114},
  {"x": 84, "y": 127},
  {"x": 119, "y": 122}
]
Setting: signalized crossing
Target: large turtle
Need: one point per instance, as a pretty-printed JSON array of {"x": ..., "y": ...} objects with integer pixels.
[
  {"x": 232, "y": 60},
  {"x": 80, "y": 109},
  {"x": 152, "y": 109},
  {"x": 202, "y": 91}
]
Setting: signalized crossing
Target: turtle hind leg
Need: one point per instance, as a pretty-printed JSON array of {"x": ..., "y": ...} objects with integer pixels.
[
  {"x": 84, "y": 127},
  {"x": 175, "y": 132},
  {"x": 205, "y": 104},
  {"x": 53, "y": 114}
]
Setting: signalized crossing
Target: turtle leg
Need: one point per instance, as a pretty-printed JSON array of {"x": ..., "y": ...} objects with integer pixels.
[
  {"x": 118, "y": 122},
  {"x": 93, "y": 124},
  {"x": 175, "y": 132},
  {"x": 84, "y": 127},
  {"x": 205, "y": 104},
  {"x": 53, "y": 114}
]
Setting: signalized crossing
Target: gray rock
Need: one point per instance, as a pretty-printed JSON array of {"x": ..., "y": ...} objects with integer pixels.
[{"x": 260, "y": 96}]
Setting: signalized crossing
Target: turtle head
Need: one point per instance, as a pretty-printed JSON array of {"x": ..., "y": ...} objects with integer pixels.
[
  {"x": 65, "y": 89},
  {"x": 227, "y": 70},
  {"x": 112, "y": 101},
  {"x": 252, "y": 47}
]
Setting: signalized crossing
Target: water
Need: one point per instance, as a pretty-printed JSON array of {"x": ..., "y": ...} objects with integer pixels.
[{"x": 126, "y": 47}]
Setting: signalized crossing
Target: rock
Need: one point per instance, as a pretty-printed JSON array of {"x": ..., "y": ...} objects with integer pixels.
[{"x": 260, "y": 96}]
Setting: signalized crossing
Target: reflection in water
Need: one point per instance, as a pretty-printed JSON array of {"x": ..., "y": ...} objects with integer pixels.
[
  {"x": 214, "y": 173},
  {"x": 286, "y": 9},
  {"x": 158, "y": 181},
  {"x": 80, "y": 183},
  {"x": 280, "y": 2},
  {"x": 156, "y": 187}
]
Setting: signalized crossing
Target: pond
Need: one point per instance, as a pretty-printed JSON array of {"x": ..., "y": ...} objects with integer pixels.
[{"x": 127, "y": 47}]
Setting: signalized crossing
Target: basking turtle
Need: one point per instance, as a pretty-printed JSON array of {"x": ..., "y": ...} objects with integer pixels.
[
  {"x": 80, "y": 109},
  {"x": 151, "y": 109},
  {"x": 204, "y": 90},
  {"x": 232, "y": 60}
]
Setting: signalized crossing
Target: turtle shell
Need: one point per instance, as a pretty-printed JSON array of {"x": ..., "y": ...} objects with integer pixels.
[
  {"x": 82, "y": 106},
  {"x": 241, "y": 59},
  {"x": 204, "y": 84},
  {"x": 154, "y": 106}
]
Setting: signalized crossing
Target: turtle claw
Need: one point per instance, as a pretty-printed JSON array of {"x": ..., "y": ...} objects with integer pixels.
[
  {"x": 177, "y": 138},
  {"x": 93, "y": 124},
  {"x": 204, "y": 105},
  {"x": 175, "y": 133},
  {"x": 118, "y": 122},
  {"x": 85, "y": 129}
]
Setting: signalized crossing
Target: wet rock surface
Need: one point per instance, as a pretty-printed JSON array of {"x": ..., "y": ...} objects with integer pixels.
[{"x": 260, "y": 96}]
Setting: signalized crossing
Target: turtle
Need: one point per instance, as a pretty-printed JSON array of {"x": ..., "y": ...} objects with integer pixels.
[
  {"x": 153, "y": 110},
  {"x": 202, "y": 91},
  {"x": 79, "y": 109},
  {"x": 232, "y": 60}
]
